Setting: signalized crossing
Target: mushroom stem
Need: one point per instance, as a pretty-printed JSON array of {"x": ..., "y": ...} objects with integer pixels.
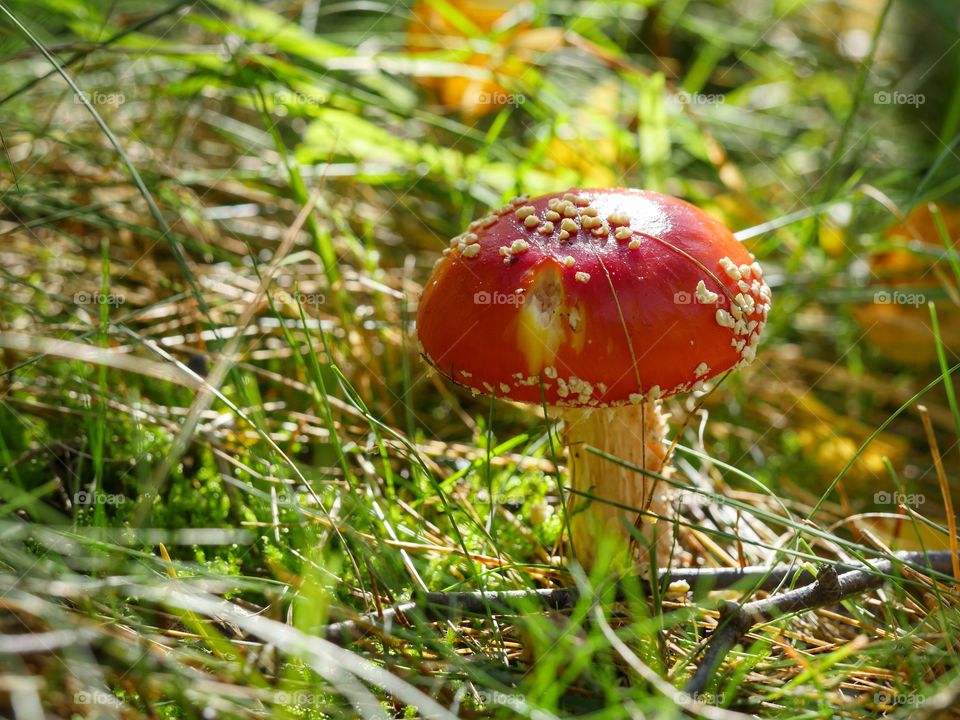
[{"x": 635, "y": 434}]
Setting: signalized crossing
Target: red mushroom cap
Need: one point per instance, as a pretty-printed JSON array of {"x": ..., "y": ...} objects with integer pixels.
[{"x": 600, "y": 297}]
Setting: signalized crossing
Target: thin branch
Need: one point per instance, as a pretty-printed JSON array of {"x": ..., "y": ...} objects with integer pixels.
[
  {"x": 434, "y": 606},
  {"x": 829, "y": 588}
]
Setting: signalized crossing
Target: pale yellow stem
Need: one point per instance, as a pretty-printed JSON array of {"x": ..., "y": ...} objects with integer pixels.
[{"x": 634, "y": 434}]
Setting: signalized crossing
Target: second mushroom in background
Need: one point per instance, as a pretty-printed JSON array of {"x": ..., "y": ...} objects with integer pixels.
[{"x": 597, "y": 303}]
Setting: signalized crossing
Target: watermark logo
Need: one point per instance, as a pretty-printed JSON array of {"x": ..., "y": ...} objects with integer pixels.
[
  {"x": 499, "y": 97},
  {"x": 101, "y": 98},
  {"x": 702, "y": 697},
  {"x": 698, "y": 98},
  {"x": 98, "y": 298},
  {"x": 891, "y": 697},
  {"x": 897, "y": 297},
  {"x": 295, "y": 97},
  {"x": 682, "y": 297},
  {"x": 85, "y": 697},
  {"x": 288, "y": 497},
  {"x": 87, "y": 498},
  {"x": 495, "y": 697},
  {"x": 898, "y": 498},
  {"x": 686, "y": 497},
  {"x": 895, "y": 97},
  {"x": 296, "y": 698},
  {"x": 296, "y": 297},
  {"x": 483, "y": 297}
]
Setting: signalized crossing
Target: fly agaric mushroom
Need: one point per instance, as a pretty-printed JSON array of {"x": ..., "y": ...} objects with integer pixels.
[{"x": 598, "y": 303}]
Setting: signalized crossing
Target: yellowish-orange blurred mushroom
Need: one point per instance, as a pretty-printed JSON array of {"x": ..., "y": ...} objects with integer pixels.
[
  {"x": 897, "y": 321},
  {"x": 494, "y": 47}
]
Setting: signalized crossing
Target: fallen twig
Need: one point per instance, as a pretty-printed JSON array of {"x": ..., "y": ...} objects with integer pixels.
[
  {"x": 442, "y": 605},
  {"x": 737, "y": 620}
]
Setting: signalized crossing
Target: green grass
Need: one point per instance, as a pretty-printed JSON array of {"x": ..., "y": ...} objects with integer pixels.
[{"x": 217, "y": 435}]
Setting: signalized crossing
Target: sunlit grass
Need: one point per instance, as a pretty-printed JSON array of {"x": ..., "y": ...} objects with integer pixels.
[{"x": 217, "y": 436}]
